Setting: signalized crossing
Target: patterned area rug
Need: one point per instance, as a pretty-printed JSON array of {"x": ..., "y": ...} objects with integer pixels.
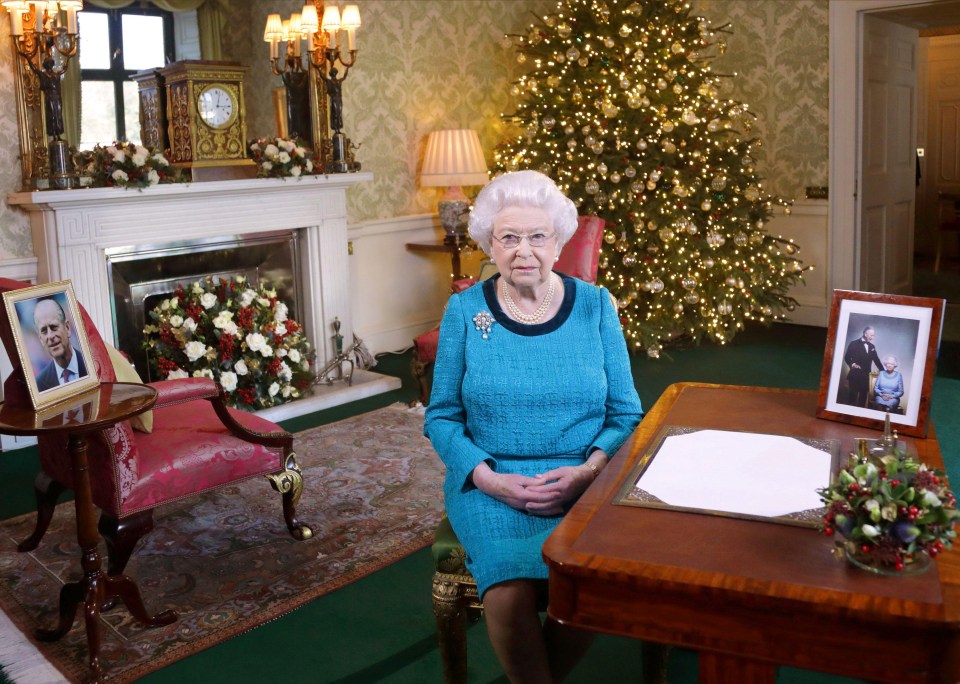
[{"x": 224, "y": 561}]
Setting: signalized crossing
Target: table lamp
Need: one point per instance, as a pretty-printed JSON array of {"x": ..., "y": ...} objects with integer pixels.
[{"x": 453, "y": 159}]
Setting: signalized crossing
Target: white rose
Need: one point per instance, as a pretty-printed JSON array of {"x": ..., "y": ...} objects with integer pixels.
[
  {"x": 177, "y": 374},
  {"x": 120, "y": 176},
  {"x": 228, "y": 381},
  {"x": 240, "y": 367},
  {"x": 189, "y": 324},
  {"x": 309, "y": 166},
  {"x": 208, "y": 299},
  {"x": 176, "y": 321},
  {"x": 119, "y": 156},
  {"x": 165, "y": 305},
  {"x": 280, "y": 314},
  {"x": 287, "y": 145},
  {"x": 255, "y": 147},
  {"x": 300, "y": 151},
  {"x": 295, "y": 171},
  {"x": 203, "y": 373},
  {"x": 280, "y": 329},
  {"x": 247, "y": 297},
  {"x": 197, "y": 289},
  {"x": 195, "y": 350},
  {"x": 263, "y": 301},
  {"x": 285, "y": 373},
  {"x": 256, "y": 342},
  {"x": 283, "y": 157},
  {"x": 141, "y": 150},
  {"x": 153, "y": 177},
  {"x": 274, "y": 388},
  {"x": 231, "y": 329},
  {"x": 174, "y": 302},
  {"x": 223, "y": 319},
  {"x": 294, "y": 355},
  {"x": 160, "y": 160},
  {"x": 281, "y": 352},
  {"x": 287, "y": 389},
  {"x": 271, "y": 150},
  {"x": 139, "y": 159}
]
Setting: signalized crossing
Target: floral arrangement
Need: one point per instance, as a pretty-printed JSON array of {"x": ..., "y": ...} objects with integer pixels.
[
  {"x": 890, "y": 509},
  {"x": 280, "y": 158},
  {"x": 127, "y": 165},
  {"x": 239, "y": 336}
]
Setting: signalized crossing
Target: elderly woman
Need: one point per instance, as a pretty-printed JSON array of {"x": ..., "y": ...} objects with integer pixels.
[
  {"x": 532, "y": 394},
  {"x": 889, "y": 385}
]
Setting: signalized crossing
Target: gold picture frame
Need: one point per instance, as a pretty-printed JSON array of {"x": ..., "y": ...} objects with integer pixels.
[
  {"x": 904, "y": 328},
  {"x": 48, "y": 332}
]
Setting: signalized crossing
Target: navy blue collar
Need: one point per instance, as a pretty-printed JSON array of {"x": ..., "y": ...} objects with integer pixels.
[{"x": 500, "y": 316}]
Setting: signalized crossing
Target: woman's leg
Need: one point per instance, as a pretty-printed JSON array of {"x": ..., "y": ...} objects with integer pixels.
[{"x": 513, "y": 624}]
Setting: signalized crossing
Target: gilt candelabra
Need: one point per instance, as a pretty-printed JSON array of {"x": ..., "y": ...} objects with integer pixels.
[
  {"x": 45, "y": 40},
  {"x": 323, "y": 52}
]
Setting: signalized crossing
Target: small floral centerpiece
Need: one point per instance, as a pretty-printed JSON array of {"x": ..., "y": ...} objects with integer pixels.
[
  {"x": 280, "y": 158},
  {"x": 240, "y": 336},
  {"x": 894, "y": 512},
  {"x": 127, "y": 166}
]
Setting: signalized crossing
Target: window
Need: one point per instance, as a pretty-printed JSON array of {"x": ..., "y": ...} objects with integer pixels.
[{"x": 114, "y": 45}]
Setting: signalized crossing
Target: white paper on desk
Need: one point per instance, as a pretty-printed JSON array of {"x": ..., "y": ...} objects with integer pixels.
[{"x": 737, "y": 472}]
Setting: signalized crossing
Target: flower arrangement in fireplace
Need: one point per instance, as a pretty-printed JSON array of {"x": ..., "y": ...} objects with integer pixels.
[
  {"x": 280, "y": 158},
  {"x": 238, "y": 335},
  {"x": 127, "y": 166}
]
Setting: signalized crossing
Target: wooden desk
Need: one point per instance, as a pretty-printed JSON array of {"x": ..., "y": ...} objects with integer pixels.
[
  {"x": 78, "y": 417},
  {"x": 453, "y": 248},
  {"x": 748, "y": 595}
]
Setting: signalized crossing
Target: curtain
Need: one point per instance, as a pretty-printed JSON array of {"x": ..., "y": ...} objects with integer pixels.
[{"x": 168, "y": 5}]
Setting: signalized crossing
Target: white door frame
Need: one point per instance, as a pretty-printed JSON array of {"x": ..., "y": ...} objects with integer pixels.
[{"x": 846, "y": 37}]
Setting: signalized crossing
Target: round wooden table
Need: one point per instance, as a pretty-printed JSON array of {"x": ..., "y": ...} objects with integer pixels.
[{"x": 98, "y": 409}]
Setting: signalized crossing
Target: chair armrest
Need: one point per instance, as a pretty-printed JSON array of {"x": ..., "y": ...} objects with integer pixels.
[
  {"x": 171, "y": 392},
  {"x": 277, "y": 438}
]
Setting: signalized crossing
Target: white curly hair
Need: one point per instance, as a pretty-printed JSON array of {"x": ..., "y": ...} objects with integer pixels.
[{"x": 521, "y": 189}]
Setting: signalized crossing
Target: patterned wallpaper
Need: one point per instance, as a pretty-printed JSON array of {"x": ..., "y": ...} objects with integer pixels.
[
  {"x": 429, "y": 64},
  {"x": 779, "y": 50}
]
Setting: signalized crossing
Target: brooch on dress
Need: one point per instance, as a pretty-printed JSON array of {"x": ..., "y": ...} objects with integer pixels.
[{"x": 484, "y": 322}]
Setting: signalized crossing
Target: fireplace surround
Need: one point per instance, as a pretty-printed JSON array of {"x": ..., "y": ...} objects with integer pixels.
[{"x": 74, "y": 230}]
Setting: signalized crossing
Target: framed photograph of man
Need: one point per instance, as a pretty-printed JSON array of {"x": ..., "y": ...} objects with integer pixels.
[
  {"x": 51, "y": 342},
  {"x": 879, "y": 360}
]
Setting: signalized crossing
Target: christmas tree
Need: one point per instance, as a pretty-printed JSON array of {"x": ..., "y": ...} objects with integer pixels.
[{"x": 620, "y": 107}]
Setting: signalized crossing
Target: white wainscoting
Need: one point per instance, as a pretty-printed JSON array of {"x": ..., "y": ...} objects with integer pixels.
[
  {"x": 398, "y": 294},
  {"x": 807, "y": 225}
]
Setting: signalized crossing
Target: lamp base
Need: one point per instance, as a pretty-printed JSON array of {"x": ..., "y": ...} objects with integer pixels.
[
  {"x": 62, "y": 176},
  {"x": 453, "y": 218}
]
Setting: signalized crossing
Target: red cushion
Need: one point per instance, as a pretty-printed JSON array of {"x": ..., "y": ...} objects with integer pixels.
[
  {"x": 581, "y": 255},
  {"x": 190, "y": 451},
  {"x": 426, "y": 345}
]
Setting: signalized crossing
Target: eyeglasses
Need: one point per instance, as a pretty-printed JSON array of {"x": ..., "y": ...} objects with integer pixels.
[{"x": 511, "y": 241}]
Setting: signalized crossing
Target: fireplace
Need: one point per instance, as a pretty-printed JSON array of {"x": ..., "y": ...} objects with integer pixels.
[
  {"x": 141, "y": 277},
  {"x": 87, "y": 235}
]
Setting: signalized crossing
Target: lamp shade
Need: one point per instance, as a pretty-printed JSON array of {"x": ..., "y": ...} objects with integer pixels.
[
  {"x": 350, "y": 18},
  {"x": 331, "y": 18},
  {"x": 453, "y": 157},
  {"x": 308, "y": 19},
  {"x": 274, "y": 28}
]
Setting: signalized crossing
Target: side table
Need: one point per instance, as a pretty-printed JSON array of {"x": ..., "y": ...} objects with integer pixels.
[
  {"x": 92, "y": 411},
  {"x": 453, "y": 247}
]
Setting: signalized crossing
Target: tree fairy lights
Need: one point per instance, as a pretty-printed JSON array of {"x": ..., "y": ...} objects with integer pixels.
[{"x": 621, "y": 108}]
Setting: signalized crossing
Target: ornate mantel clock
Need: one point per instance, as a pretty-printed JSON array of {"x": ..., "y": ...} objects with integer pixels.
[{"x": 206, "y": 119}]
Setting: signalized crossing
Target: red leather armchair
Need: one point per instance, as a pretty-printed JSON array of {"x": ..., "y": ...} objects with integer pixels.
[
  {"x": 580, "y": 258},
  {"x": 197, "y": 444}
]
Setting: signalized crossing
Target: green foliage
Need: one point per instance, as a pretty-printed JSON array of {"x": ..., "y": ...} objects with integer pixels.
[{"x": 621, "y": 108}]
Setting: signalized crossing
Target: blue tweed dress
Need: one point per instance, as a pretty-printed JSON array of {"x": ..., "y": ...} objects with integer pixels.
[{"x": 525, "y": 399}]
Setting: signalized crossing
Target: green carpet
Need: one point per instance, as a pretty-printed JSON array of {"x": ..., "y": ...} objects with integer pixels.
[{"x": 380, "y": 629}]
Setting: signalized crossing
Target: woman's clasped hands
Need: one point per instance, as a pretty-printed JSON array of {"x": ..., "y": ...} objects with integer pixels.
[{"x": 544, "y": 494}]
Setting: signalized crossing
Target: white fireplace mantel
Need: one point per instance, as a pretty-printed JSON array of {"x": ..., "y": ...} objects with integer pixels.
[{"x": 72, "y": 229}]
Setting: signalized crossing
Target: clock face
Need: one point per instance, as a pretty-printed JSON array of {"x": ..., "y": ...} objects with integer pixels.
[{"x": 217, "y": 106}]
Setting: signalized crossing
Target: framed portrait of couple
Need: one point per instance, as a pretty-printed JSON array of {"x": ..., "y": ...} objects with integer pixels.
[
  {"x": 51, "y": 342},
  {"x": 880, "y": 359}
]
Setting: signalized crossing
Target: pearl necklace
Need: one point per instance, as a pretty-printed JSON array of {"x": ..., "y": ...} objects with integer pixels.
[{"x": 525, "y": 317}]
